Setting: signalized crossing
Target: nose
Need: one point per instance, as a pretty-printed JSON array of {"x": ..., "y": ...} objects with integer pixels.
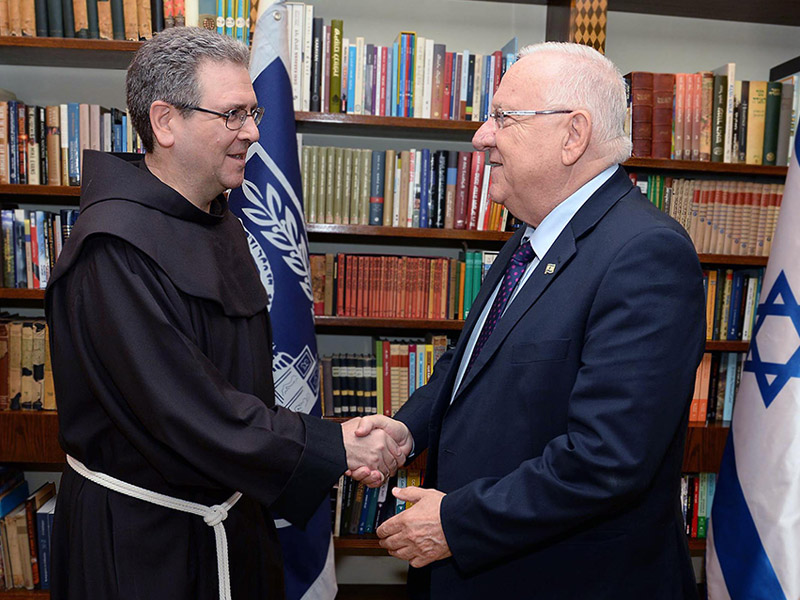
[
  {"x": 484, "y": 137},
  {"x": 249, "y": 130}
]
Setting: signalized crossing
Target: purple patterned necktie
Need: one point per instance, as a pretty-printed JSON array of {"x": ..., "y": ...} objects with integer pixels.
[{"x": 516, "y": 267}]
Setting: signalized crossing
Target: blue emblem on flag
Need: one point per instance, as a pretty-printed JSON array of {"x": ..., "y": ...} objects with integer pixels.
[
  {"x": 773, "y": 375},
  {"x": 270, "y": 206}
]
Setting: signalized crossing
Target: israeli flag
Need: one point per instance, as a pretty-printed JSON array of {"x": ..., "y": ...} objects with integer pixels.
[
  {"x": 753, "y": 548},
  {"x": 270, "y": 206}
]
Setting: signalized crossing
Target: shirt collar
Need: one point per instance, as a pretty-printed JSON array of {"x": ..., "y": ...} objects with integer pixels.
[{"x": 543, "y": 236}]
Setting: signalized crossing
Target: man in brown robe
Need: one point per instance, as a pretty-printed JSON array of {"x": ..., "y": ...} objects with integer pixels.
[{"x": 162, "y": 356}]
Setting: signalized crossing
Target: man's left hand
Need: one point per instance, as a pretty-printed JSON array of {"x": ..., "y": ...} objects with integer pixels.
[{"x": 416, "y": 534}]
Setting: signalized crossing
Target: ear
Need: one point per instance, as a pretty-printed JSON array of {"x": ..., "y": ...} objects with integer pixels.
[
  {"x": 579, "y": 134},
  {"x": 162, "y": 120}
]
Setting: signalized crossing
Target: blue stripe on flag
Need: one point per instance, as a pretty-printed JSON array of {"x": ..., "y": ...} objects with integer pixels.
[{"x": 747, "y": 570}]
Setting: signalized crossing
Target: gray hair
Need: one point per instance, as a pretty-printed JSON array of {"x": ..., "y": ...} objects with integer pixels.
[
  {"x": 590, "y": 81},
  {"x": 165, "y": 68}
]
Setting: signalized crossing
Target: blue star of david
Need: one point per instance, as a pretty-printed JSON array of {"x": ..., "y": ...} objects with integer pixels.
[{"x": 761, "y": 369}]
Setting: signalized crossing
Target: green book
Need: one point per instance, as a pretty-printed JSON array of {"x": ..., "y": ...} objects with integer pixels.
[
  {"x": 337, "y": 27},
  {"x": 771, "y": 122}
]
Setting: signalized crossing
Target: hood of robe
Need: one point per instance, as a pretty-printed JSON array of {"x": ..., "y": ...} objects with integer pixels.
[{"x": 205, "y": 255}]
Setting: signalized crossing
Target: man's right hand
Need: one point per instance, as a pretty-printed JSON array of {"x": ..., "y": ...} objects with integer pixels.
[{"x": 375, "y": 446}]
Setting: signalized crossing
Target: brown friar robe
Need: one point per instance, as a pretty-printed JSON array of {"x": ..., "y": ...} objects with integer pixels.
[{"x": 162, "y": 359}]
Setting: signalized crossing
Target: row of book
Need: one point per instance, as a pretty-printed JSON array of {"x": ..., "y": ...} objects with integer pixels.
[
  {"x": 721, "y": 217},
  {"x": 31, "y": 242},
  {"x": 26, "y": 523},
  {"x": 380, "y": 383},
  {"x": 411, "y": 77},
  {"x": 715, "y": 387},
  {"x": 408, "y": 188},
  {"x": 26, "y": 372},
  {"x": 358, "y": 510},
  {"x": 404, "y": 287},
  {"x": 697, "y": 498},
  {"x": 710, "y": 116},
  {"x": 44, "y": 144},
  {"x": 121, "y": 19},
  {"x": 731, "y": 302}
]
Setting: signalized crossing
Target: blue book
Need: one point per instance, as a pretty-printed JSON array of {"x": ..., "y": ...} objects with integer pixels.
[
  {"x": 454, "y": 86},
  {"x": 352, "y": 55},
  {"x": 734, "y": 311},
  {"x": 124, "y": 132},
  {"x": 13, "y": 142},
  {"x": 401, "y": 76},
  {"x": 488, "y": 82},
  {"x": 730, "y": 387},
  {"x": 420, "y": 365},
  {"x": 74, "y": 142},
  {"x": 20, "y": 259},
  {"x": 387, "y": 110},
  {"x": 425, "y": 188},
  {"x": 412, "y": 369},
  {"x": 408, "y": 111},
  {"x": 376, "y": 187},
  {"x": 13, "y": 498},
  {"x": 43, "y": 539},
  {"x": 369, "y": 495}
]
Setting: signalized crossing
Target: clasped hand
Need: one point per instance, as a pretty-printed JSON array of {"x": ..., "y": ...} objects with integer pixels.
[{"x": 376, "y": 446}]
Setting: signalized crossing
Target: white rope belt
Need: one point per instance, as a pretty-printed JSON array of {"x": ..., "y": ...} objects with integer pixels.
[{"x": 212, "y": 515}]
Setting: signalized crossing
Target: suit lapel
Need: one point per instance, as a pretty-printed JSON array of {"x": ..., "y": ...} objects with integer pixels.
[
  {"x": 549, "y": 268},
  {"x": 559, "y": 255}
]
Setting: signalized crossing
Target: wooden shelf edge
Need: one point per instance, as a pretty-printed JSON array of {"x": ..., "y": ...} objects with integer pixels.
[
  {"x": 30, "y": 437},
  {"x": 327, "y": 229},
  {"x": 21, "y": 294},
  {"x": 705, "y": 167},
  {"x": 387, "y": 323},
  {"x": 733, "y": 260},
  {"x": 57, "y": 43},
  {"x": 726, "y": 346}
]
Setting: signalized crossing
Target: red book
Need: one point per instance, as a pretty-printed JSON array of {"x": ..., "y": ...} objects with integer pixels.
[
  {"x": 695, "y": 503},
  {"x": 663, "y": 97},
  {"x": 341, "y": 279},
  {"x": 640, "y": 84},
  {"x": 498, "y": 70},
  {"x": 448, "y": 85},
  {"x": 462, "y": 191},
  {"x": 382, "y": 97}
]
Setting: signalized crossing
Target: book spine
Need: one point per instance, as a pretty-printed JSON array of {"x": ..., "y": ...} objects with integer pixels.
[
  {"x": 377, "y": 183},
  {"x": 771, "y": 121}
]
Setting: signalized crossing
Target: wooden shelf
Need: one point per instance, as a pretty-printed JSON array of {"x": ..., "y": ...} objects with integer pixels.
[
  {"x": 370, "y": 125},
  {"x": 30, "y": 437},
  {"x": 733, "y": 260},
  {"x": 322, "y": 231},
  {"x": 726, "y": 346},
  {"x": 40, "y": 194},
  {"x": 704, "y": 447},
  {"x": 376, "y": 323},
  {"x": 697, "y": 547},
  {"x": 67, "y": 52},
  {"x": 25, "y": 595},
  {"x": 21, "y": 294},
  {"x": 704, "y": 167}
]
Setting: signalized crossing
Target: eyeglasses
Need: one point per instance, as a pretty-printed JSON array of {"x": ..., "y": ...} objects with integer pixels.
[
  {"x": 499, "y": 115},
  {"x": 235, "y": 117}
]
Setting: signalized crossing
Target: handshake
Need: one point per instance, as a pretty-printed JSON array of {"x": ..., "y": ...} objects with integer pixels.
[{"x": 376, "y": 446}]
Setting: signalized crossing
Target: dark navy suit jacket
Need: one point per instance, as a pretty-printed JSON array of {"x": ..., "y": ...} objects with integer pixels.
[{"x": 561, "y": 452}]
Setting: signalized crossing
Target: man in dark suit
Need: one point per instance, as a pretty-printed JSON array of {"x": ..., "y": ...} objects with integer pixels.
[{"x": 555, "y": 429}]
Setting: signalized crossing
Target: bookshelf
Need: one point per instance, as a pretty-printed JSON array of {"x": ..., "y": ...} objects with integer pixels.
[{"x": 39, "y": 431}]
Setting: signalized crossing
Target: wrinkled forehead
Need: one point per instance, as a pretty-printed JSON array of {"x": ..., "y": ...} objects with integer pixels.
[{"x": 225, "y": 80}]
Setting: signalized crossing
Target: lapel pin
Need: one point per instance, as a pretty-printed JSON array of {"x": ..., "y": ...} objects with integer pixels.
[{"x": 550, "y": 269}]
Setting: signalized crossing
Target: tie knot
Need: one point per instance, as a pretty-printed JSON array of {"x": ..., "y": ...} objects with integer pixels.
[{"x": 524, "y": 254}]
